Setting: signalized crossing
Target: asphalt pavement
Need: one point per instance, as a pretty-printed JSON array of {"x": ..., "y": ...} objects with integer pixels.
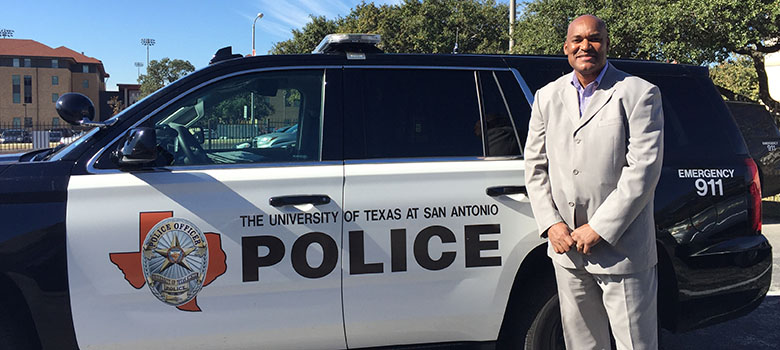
[{"x": 759, "y": 330}]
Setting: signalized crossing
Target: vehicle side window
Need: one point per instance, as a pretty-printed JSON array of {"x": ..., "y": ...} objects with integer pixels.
[
  {"x": 252, "y": 118},
  {"x": 408, "y": 113},
  {"x": 500, "y": 134},
  {"x": 519, "y": 106},
  {"x": 696, "y": 121}
]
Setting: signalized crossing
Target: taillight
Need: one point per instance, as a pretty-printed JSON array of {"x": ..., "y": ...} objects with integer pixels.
[{"x": 754, "y": 202}]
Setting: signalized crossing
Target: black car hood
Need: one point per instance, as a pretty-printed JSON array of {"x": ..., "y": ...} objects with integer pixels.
[{"x": 10, "y": 158}]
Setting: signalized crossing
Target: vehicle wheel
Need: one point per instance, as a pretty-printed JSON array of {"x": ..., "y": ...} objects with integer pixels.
[{"x": 546, "y": 332}]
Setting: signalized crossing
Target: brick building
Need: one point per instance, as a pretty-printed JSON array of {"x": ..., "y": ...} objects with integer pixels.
[{"x": 33, "y": 76}]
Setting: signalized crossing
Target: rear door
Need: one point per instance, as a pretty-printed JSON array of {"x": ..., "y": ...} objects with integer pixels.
[
  {"x": 436, "y": 223},
  {"x": 225, "y": 244}
]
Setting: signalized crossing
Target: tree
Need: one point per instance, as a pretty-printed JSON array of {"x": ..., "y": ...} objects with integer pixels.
[
  {"x": 163, "y": 72},
  {"x": 686, "y": 31},
  {"x": 306, "y": 39},
  {"x": 116, "y": 105},
  {"x": 737, "y": 78},
  {"x": 415, "y": 26}
]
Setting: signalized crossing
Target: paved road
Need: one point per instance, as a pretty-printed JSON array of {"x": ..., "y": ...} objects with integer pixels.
[{"x": 759, "y": 330}]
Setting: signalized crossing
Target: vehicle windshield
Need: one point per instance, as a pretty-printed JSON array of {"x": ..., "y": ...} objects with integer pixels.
[{"x": 59, "y": 153}]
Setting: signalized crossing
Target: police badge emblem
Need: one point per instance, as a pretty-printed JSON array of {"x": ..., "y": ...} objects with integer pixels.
[{"x": 175, "y": 260}]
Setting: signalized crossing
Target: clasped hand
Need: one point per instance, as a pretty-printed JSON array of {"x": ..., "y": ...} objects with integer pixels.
[{"x": 563, "y": 238}]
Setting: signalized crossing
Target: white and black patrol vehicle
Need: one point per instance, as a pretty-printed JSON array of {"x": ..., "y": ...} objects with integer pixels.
[{"x": 396, "y": 215}]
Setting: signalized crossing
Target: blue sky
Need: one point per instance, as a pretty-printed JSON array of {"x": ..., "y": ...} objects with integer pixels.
[{"x": 111, "y": 31}]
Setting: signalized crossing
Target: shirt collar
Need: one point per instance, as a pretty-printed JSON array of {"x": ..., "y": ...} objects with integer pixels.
[{"x": 576, "y": 82}]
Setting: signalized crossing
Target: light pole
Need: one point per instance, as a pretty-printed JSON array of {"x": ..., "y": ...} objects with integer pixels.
[
  {"x": 138, "y": 65},
  {"x": 6, "y": 33},
  {"x": 147, "y": 42},
  {"x": 512, "y": 17},
  {"x": 252, "y": 94},
  {"x": 259, "y": 16}
]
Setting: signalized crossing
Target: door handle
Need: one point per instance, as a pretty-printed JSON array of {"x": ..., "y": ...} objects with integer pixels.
[
  {"x": 315, "y": 199},
  {"x": 496, "y": 191}
]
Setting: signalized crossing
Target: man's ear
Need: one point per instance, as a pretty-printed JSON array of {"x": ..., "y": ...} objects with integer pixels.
[{"x": 565, "y": 48}]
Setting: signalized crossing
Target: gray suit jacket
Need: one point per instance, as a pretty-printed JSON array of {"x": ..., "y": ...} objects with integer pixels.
[{"x": 600, "y": 169}]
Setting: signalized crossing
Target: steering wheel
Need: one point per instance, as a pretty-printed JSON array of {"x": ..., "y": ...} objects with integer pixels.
[{"x": 195, "y": 154}]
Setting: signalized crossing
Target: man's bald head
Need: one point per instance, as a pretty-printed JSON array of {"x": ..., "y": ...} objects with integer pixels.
[
  {"x": 600, "y": 24},
  {"x": 586, "y": 47}
]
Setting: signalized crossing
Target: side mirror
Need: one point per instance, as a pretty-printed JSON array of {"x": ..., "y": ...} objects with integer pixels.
[
  {"x": 77, "y": 109},
  {"x": 74, "y": 107},
  {"x": 139, "y": 147}
]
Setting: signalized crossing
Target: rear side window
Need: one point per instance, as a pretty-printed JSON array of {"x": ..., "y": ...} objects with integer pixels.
[
  {"x": 696, "y": 121},
  {"x": 409, "y": 113},
  {"x": 500, "y": 135},
  {"x": 520, "y": 109}
]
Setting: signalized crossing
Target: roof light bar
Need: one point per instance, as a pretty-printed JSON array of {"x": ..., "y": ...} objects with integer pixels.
[{"x": 349, "y": 42}]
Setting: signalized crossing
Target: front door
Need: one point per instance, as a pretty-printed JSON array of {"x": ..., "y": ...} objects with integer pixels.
[{"x": 232, "y": 241}]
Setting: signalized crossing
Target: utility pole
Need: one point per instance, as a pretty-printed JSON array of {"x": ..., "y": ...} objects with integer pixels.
[
  {"x": 147, "y": 42},
  {"x": 512, "y": 16}
]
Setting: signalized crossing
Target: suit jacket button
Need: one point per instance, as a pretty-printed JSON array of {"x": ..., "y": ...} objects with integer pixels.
[
  {"x": 578, "y": 141},
  {"x": 576, "y": 172},
  {"x": 571, "y": 204}
]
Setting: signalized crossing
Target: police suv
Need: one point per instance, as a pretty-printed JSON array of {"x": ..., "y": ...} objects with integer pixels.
[{"x": 396, "y": 216}]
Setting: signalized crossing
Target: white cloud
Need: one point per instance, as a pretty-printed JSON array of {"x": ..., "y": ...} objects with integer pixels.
[
  {"x": 280, "y": 17},
  {"x": 285, "y": 12}
]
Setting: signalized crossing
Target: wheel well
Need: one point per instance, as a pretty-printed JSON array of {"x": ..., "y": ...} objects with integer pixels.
[
  {"x": 667, "y": 290},
  {"x": 16, "y": 312},
  {"x": 535, "y": 270}
]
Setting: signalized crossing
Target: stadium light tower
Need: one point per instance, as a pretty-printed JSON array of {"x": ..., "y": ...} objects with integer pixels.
[
  {"x": 259, "y": 16},
  {"x": 147, "y": 42},
  {"x": 6, "y": 33},
  {"x": 138, "y": 65}
]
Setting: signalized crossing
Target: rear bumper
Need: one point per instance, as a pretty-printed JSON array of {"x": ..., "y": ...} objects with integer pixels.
[{"x": 725, "y": 281}]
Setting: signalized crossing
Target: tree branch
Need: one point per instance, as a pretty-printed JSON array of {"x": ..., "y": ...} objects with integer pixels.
[{"x": 768, "y": 49}]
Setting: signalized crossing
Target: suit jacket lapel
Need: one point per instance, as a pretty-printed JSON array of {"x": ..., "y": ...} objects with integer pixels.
[
  {"x": 568, "y": 94},
  {"x": 600, "y": 97}
]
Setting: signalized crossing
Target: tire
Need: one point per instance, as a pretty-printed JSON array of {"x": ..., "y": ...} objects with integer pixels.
[{"x": 546, "y": 332}]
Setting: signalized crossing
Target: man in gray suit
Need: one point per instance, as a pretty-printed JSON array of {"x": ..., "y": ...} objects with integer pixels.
[{"x": 593, "y": 158}]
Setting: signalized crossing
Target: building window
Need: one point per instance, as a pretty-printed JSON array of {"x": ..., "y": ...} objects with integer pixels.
[
  {"x": 54, "y": 97},
  {"x": 16, "y": 62},
  {"x": 55, "y": 63},
  {"x": 28, "y": 122},
  {"x": 17, "y": 122},
  {"x": 17, "y": 90},
  {"x": 28, "y": 97},
  {"x": 27, "y": 62},
  {"x": 55, "y": 80},
  {"x": 85, "y": 69},
  {"x": 55, "y": 122},
  {"x": 85, "y": 84}
]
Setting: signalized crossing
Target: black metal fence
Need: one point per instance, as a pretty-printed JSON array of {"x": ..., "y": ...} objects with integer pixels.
[
  {"x": 18, "y": 138},
  {"x": 21, "y": 138}
]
